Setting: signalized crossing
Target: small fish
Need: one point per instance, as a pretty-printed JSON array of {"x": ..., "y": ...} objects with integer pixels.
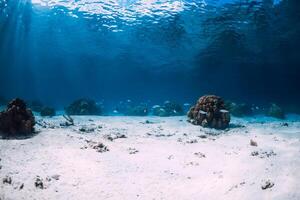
[
  {"x": 202, "y": 112},
  {"x": 224, "y": 111},
  {"x": 155, "y": 106}
]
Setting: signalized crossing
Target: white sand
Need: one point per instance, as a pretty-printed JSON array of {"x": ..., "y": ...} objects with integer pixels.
[{"x": 163, "y": 160}]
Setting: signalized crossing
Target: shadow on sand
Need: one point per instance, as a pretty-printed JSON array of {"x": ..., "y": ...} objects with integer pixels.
[{"x": 5, "y": 136}]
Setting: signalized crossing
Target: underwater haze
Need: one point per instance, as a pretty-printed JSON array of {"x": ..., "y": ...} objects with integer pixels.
[{"x": 150, "y": 50}]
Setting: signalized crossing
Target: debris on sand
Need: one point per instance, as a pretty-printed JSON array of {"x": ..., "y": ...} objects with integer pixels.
[
  {"x": 236, "y": 186},
  {"x": 192, "y": 163},
  {"x": 21, "y": 186},
  {"x": 86, "y": 129},
  {"x": 267, "y": 184},
  {"x": 147, "y": 122},
  {"x": 55, "y": 177},
  {"x": 263, "y": 154},
  {"x": 253, "y": 143},
  {"x": 7, "y": 180},
  {"x": 254, "y": 153},
  {"x": 44, "y": 124},
  {"x": 114, "y": 136},
  {"x": 39, "y": 183},
  {"x": 132, "y": 150},
  {"x": 69, "y": 121},
  {"x": 98, "y": 146},
  {"x": 170, "y": 157},
  {"x": 200, "y": 155},
  {"x": 268, "y": 154},
  {"x": 160, "y": 135},
  {"x": 202, "y": 136},
  {"x": 192, "y": 141}
]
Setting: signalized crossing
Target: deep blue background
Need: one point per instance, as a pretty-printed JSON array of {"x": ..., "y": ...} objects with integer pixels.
[{"x": 247, "y": 52}]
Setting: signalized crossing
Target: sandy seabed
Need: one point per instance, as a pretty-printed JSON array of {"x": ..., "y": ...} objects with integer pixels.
[{"x": 152, "y": 158}]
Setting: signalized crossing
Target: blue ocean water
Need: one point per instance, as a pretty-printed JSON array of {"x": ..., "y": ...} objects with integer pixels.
[{"x": 150, "y": 50}]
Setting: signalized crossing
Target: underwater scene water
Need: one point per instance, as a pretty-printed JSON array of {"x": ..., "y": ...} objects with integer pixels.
[
  {"x": 150, "y": 51},
  {"x": 150, "y": 99}
]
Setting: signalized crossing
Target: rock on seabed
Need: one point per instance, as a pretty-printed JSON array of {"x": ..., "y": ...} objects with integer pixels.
[
  {"x": 210, "y": 111},
  {"x": 16, "y": 119}
]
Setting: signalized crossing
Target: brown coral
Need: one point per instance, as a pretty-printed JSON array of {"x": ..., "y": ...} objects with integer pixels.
[
  {"x": 16, "y": 119},
  {"x": 210, "y": 111}
]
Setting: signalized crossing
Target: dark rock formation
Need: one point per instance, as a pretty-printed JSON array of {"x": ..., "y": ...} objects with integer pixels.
[
  {"x": 173, "y": 109},
  {"x": 168, "y": 109},
  {"x": 159, "y": 111},
  {"x": 210, "y": 111},
  {"x": 128, "y": 108},
  {"x": 141, "y": 110},
  {"x": 275, "y": 111},
  {"x": 83, "y": 107},
  {"x": 16, "y": 119},
  {"x": 35, "y": 105},
  {"x": 239, "y": 110},
  {"x": 3, "y": 101},
  {"x": 123, "y": 107},
  {"x": 47, "y": 111}
]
